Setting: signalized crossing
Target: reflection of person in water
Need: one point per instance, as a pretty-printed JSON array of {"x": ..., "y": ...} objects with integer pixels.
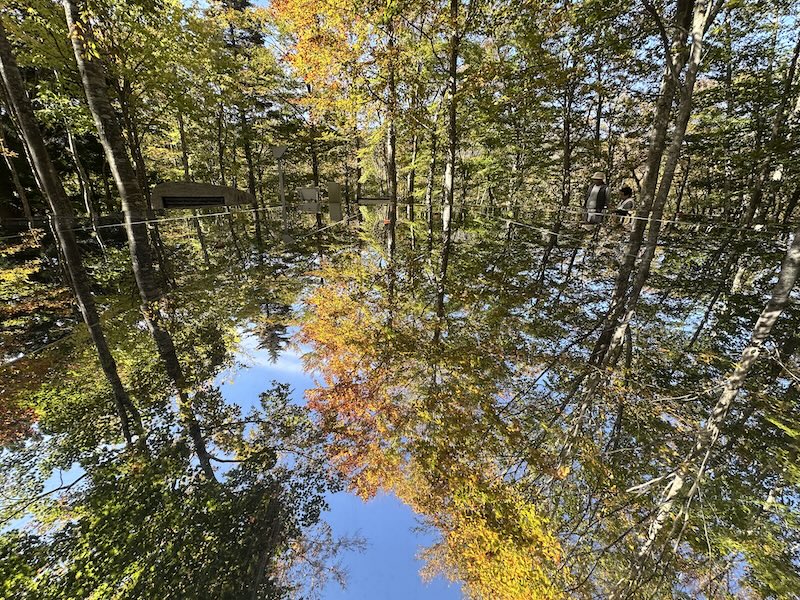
[{"x": 596, "y": 199}]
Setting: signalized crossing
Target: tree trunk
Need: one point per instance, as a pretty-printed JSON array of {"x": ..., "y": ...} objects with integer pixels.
[
  {"x": 184, "y": 148},
  {"x": 134, "y": 208},
  {"x": 49, "y": 217},
  {"x": 703, "y": 16},
  {"x": 234, "y": 236},
  {"x": 221, "y": 144},
  {"x": 347, "y": 180},
  {"x": 187, "y": 176},
  {"x": 23, "y": 196},
  {"x": 722, "y": 282},
  {"x": 675, "y": 61},
  {"x": 359, "y": 171},
  {"x": 65, "y": 236},
  {"x": 85, "y": 187},
  {"x": 776, "y": 138},
  {"x": 566, "y": 178},
  {"x": 60, "y": 258},
  {"x": 107, "y": 185},
  {"x": 566, "y": 166},
  {"x": 729, "y": 112},
  {"x": 223, "y": 180},
  {"x": 429, "y": 186},
  {"x": 140, "y": 169},
  {"x": 410, "y": 180},
  {"x": 251, "y": 176},
  {"x": 84, "y": 183},
  {"x": 598, "y": 115},
  {"x": 623, "y": 306},
  {"x": 315, "y": 166},
  {"x": 449, "y": 173},
  {"x": 682, "y": 189},
  {"x": 693, "y": 465},
  {"x": 391, "y": 142},
  {"x": 792, "y": 204},
  {"x": 273, "y": 522}
]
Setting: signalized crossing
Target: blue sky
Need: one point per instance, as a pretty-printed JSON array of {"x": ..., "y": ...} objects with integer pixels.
[{"x": 388, "y": 568}]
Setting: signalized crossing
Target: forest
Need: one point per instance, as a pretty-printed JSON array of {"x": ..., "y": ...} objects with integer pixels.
[{"x": 557, "y": 319}]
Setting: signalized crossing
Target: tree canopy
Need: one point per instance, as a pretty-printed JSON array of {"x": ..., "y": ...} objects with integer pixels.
[{"x": 578, "y": 398}]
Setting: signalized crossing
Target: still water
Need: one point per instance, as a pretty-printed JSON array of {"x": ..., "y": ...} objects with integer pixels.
[{"x": 411, "y": 426}]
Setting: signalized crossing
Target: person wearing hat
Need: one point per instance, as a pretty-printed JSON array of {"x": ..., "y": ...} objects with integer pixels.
[{"x": 596, "y": 199}]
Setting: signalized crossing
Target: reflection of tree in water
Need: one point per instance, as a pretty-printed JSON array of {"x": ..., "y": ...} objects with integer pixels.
[
  {"x": 271, "y": 329},
  {"x": 541, "y": 469},
  {"x": 145, "y": 521}
]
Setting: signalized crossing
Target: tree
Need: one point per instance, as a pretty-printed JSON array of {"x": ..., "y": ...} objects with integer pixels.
[
  {"x": 133, "y": 203},
  {"x": 130, "y": 421},
  {"x": 693, "y": 465}
]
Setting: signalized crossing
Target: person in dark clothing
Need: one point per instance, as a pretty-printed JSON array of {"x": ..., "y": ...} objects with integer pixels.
[
  {"x": 596, "y": 199},
  {"x": 625, "y": 208}
]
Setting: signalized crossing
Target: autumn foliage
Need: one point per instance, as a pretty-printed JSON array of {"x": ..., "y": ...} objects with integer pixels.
[
  {"x": 495, "y": 542},
  {"x": 15, "y": 421},
  {"x": 388, "y": 431},
  {"x": 355, "y": 402}
]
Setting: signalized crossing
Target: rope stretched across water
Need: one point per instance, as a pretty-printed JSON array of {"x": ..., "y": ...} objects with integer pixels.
[{"x": 759, "y": 228}]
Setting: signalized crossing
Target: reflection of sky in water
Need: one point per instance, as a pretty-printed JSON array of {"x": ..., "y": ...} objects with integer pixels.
[{"x": 388, "y": 569}]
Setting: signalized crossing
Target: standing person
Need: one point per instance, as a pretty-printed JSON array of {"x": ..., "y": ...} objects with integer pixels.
[
  {"x": 625, "y": 207},
  {"x": 596, "y": 199}
]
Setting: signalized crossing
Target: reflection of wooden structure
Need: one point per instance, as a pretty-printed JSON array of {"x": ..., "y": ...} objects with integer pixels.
[
  {"x": 185, "y": 194},
  {"x": 334, "y": 201},
  {"x": 373, "y": 200},
  {"x": 308, "y": 198}
]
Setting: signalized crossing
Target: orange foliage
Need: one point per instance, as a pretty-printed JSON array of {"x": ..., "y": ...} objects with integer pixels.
[
  {"x": 355, "y": 403},
  {"x": 15, "y": 421},
  {"x": 430, "y": 446}
]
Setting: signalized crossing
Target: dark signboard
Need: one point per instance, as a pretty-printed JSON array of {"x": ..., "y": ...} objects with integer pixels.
[
  {"x": 185, "y": 194},
  {"x": 192, "y": 201}
]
